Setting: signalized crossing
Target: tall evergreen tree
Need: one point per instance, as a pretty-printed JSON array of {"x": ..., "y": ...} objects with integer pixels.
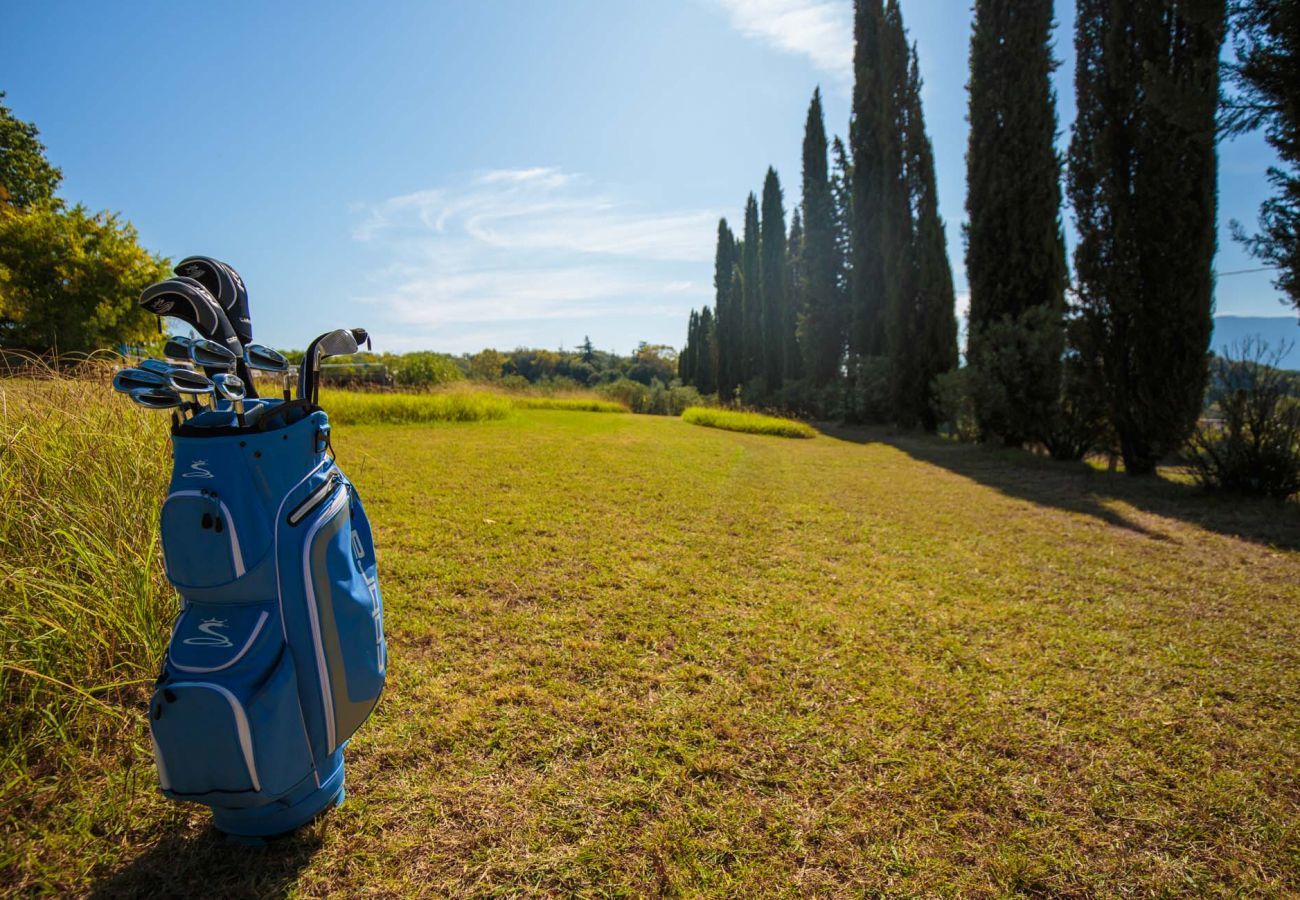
[
  {"x": 897, "y": 240},
  {"x": 870, "y": 119},
  {"x": 1267, "y": 77},
  {"x": 819, "y": 325},
  {"x": 842, "y": 205},
  {"x": 1143, "y": 172},
  {"x": 686, "y": 359},
  {"x": 728, "y": 324},
  {"x": 791, "y": 356},
  {"x": 772, "y": 277},
  {"x": 1015, "y": 248},
  {"x": 751, "y": 293},
  {"x": 934, "y": 337},
  {"x": 706, "y": 354}
]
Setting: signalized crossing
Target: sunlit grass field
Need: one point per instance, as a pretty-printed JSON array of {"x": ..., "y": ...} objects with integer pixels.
[{"x": 630, "y": 656}]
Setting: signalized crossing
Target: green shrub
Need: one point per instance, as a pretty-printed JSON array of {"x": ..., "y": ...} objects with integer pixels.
[
  {"x": 350, "y": 408},
  {"x": 752, "y": 423}
]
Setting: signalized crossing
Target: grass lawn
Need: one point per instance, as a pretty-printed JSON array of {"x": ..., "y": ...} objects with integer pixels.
[{"x": 632, "y": 656}]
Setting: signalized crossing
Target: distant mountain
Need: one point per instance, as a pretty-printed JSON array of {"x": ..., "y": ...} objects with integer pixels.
[{"x": 1276, "y": 330}]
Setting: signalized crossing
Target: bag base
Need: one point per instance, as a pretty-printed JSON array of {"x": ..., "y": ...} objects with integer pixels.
[{"x": 289, "y": 813}]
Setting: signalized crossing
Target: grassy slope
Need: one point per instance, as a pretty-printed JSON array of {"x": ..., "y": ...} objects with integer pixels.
[{"x": 632, "y": 655}]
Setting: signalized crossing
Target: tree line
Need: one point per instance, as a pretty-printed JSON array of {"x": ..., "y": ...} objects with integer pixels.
[{"x": 855, "y": 318}]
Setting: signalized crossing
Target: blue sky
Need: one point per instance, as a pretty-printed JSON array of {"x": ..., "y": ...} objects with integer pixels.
[{"x": 493, "y": 173}]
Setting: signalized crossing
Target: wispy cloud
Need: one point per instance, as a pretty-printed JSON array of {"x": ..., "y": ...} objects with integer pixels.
[
  {"x": 821, "y": 30},
  {"x": 465, "y": 260}
]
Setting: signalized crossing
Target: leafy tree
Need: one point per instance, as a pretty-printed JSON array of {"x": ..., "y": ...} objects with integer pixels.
[
  {"x": 772, "y": 279},
  {"x": 26, "y": 176},
  {"x": 1015, "y": 248},
  {"x": 1143, "y": 173},
  {"x": 751, "y": 295},
  {"x": 70, "y": 281},
  {"x": 651, "y": 362},
  {"x": 728, "y": 325},
  {"x": 1266, "y": 74},
  {"x": 819, "y": 324}
]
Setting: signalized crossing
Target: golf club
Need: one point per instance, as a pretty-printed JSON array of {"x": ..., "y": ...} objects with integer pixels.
[
  {"x": 156, "y": 398},
  {"x": 224, "y": 283},
  {"x": 340, "y": 342},
  {"x": 264, "y": 359},
  {"x": 192, "y": 384},
  {"x": 191, "y": 302},
  {"x": 159, "y": 366},
  {"x": 231, "y": 388},
  {"x": 210, "y": 355},
  {"x": 178, "y": 347},
  {"x": 127, "y": 380}
]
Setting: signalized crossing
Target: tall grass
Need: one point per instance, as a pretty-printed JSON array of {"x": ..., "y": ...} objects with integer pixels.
[
  {"x": 752, "y": 423},
  {"x": 357, "y": 408},
  {"x": 85, "y": 607},
  {"x": 572, "y": 404}
]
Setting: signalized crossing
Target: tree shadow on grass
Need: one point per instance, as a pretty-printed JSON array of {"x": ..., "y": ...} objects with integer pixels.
[
  {"x": 1081, "y": 488},
  {"x": 207, "y": 865}
]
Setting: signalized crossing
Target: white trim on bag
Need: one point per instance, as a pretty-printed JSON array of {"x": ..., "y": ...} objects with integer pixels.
[
  {"x": 241, "y": 724},
  {"x": 257, "y": 629},
  {"x": 230, "y": 526},
  {"x": 327, "y": 696}
]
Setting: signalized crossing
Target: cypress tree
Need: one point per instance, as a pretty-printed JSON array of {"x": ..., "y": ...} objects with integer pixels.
[
  {"x": 706, "y": 354},
  {"x": 1015, "y": 249},
  {"x": 752, "y": 363},
  {"x": 728, "y": 322},
  {"x": 819, "y": 325},
  {"x": 897, "y": 241},
  {"x": 842, "y": 205},
  {"x": 935, "y": 336},
  {"x": 772, "y": 278},
  {"x": 866, "y": 127},
  {"x": 792, "y": 357},
  {"x": 686, "y": 359},
  {"x": 1143, "y": 167}
]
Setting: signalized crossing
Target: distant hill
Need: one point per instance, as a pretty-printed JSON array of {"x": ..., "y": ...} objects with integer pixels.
[{"x": 1276, "y": 330}]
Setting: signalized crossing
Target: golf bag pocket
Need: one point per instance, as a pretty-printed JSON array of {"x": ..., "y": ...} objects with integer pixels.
[
  {"x": 226, "y": 722},
  {"x": 210, "y": 539},
  {"x": 344, "y": 610}
]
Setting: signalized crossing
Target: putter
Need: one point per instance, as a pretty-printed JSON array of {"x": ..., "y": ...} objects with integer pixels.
[
  {"x": 230, "y": 388},
  {"x": 340, "y": 342}
]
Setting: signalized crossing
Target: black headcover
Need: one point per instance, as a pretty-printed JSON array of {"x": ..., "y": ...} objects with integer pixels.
[{"x": 224, "y": 283}]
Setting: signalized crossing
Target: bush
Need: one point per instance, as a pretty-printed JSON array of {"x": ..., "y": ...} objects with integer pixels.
[
  {"x": 953, "y": 394},
  {"x": 868, "y": 395},
  {"x": 1252, "y": 446},
  {"x": 751, "y": 423},
  {"x": 632, "y": 394}
]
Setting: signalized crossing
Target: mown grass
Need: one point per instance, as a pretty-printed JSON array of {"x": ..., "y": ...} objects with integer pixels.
[
  {"x": 631, "y": 657},
  {"x": 748, "y": 422}
]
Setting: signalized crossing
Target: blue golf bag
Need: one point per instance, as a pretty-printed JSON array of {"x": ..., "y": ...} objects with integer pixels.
[{"x": 278, "y": 654}]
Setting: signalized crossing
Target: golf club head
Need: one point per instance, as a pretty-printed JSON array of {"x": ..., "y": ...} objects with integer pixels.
[
  {"x": 188, "y": 300},
  {"x": 339, "y": 342},
  {"x": 156, "y": 398},
  {"x": 162, "y": 367},
  {"x": 178, "y": 347},
  {"x": 128, "y": 380},
  {"x": 264, "y": 359},
  {"x": 184, "y": 381},
  {"x": 211, "y": 355},
  {"x": 224, "y": 283},
  {"x": 228, "y": 387}
]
